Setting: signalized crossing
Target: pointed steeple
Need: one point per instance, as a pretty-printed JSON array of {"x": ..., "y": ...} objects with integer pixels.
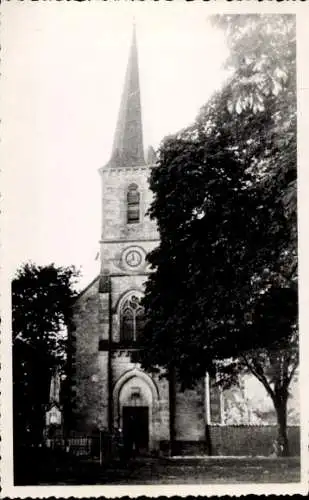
[{"x": 128, "y": 149}]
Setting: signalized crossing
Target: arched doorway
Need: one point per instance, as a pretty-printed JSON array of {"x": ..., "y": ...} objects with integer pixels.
[{"x": 135, "y": 408}]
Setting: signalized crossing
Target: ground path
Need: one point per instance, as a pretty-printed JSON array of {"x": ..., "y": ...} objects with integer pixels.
[{"x": 206, "y": 470}]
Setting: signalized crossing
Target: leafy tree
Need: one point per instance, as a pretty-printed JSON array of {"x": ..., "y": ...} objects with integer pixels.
[
  {"x": 263, "y": 61},
  {"x": 41, "y": 302},
  {"x": 223, "y": 292}
]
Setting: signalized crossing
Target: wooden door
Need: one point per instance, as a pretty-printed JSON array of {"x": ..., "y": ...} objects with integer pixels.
[{"x": 135, "y": 429}]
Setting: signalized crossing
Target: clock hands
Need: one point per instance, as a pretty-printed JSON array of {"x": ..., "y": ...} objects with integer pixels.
[{"x": 133, "y": 258}]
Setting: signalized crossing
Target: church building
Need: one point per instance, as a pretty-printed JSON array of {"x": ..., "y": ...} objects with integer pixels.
[{"x": 109, "y": 390}]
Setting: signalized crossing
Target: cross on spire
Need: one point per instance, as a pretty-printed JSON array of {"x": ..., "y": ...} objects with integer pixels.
[{"x": 128, "y": 149}]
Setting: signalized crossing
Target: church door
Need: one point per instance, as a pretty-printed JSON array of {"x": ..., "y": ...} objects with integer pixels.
[{"x": 135, "y": 429}]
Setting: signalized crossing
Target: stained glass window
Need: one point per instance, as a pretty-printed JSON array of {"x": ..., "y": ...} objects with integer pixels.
[{"x": 132, "y": 319}]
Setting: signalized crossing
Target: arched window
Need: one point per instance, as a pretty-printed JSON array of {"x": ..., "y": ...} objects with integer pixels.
[
  {"x": 131, "y": 319},
  {"x": 133, "y": 202}
]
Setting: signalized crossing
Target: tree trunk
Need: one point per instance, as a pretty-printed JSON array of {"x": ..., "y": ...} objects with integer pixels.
[
  {"x": 172, "y": 408},
  {"x": 280, "y": 404}
]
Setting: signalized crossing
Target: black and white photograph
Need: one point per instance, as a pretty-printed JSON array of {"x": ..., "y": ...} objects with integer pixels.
[{"x": 150, "y": 246}]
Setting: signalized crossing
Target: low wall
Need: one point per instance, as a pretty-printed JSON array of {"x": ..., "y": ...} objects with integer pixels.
[
  {"x": 232, "y": 440},
  {"x": 249, "y": 440}
]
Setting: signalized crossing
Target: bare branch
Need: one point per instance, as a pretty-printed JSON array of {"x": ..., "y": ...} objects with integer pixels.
[{"x": 260, "y": 376}]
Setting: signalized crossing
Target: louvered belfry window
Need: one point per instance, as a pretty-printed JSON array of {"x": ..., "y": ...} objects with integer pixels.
[
  {"x": 133, "y": 204},
  {"x": 131, "y": 321}
]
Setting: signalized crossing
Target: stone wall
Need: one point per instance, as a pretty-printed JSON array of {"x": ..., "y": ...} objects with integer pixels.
[
  {"x": 112, "y": 253},
  {"x": 90, "y": 373},
  {"x": 249, "y": 440},
  {"x": 115, "y": 182},
  {"x": 228, "y": 440}
]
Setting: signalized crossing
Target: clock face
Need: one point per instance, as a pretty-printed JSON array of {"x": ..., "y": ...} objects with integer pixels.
[{"x": 133, "y": 258}]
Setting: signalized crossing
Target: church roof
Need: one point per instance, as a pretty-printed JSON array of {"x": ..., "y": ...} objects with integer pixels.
[{"x": 128, "y": 148}]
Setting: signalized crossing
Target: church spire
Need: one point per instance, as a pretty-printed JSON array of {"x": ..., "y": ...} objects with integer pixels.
[{"x": 128, "y": 149}]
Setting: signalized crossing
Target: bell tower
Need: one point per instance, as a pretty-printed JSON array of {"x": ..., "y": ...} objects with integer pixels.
[
  {"x": 127, "y": 235},
  {"x": 125, "y": 190}
]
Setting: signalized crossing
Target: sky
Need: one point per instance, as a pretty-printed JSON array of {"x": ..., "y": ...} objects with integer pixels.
[{"x": 63, "y": 73}]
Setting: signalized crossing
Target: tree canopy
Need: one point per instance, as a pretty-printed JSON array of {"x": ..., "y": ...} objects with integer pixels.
[
  {"x": 224, "y": 280},
  {"x": 41, "y": 307}
]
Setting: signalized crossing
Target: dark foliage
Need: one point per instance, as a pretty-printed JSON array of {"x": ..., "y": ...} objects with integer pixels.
[
  {"x": 41, "y": 306},
  {"x": 223, "y": 291}
]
